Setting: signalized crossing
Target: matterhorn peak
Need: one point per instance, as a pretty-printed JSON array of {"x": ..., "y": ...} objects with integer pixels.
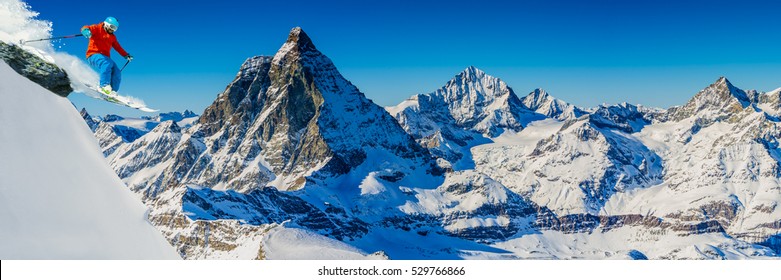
[
  {"x": 299, "y": 38},
  {"x": 297, "y": 45}
]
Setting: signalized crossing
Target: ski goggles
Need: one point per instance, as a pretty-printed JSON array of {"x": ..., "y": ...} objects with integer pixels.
[{"x": 110, "y": 27}]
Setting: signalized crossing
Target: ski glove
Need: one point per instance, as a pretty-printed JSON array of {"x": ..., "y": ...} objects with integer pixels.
[
  {"x": 129, "y": 57},
  {"x": 86, "y": 33}
]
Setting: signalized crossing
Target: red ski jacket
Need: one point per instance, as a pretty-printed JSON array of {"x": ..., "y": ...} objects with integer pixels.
[{"x": 102, "y": 41}]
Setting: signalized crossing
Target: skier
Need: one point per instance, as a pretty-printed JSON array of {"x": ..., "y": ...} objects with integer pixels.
[{"x": 101, "y": 40}]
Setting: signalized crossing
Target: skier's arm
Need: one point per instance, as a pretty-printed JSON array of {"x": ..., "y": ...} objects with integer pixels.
[{"x": 119, "y": 49}]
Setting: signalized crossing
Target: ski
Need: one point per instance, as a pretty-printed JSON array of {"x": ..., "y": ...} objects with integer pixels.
[{"x": 118, "y": 99}]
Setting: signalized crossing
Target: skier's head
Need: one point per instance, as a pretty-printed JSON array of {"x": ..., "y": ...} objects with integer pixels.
[{"x": 111, "y": 24}]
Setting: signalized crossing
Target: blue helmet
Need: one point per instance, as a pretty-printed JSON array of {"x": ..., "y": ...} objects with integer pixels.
[{"x": 111, "y": 23}]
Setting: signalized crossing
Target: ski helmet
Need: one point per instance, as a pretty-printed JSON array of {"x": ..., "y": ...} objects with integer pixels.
[{"x": 111, "y": 23}]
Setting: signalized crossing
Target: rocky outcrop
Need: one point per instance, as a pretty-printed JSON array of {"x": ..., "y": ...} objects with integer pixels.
[
  {"x": 623, "y": 117},
  {"x": 92, "y": 123},
  {"x": 41, "y": 72},
  {"x": 269, "y": 206}
]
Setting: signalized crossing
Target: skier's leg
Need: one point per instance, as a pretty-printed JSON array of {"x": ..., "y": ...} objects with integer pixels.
[
  {"x": 116, "y": 76},
  {"x": 103, "y": 65}
]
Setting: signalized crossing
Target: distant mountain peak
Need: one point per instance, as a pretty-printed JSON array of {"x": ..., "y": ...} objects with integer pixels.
[
  {"x": 723, "y": 86},
  {"x": 536, "y": 98},
  {"x": 169, "y": 126},
  {"x": 476, "y": 84},
  {"x": 472, "y": 72},
  {"x": 719, "y": 98},
  {"x": 542, "y": 102}
]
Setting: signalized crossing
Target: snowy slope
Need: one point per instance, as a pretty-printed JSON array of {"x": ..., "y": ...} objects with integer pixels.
[
  {"x": 58, "y": 197},
  {"x": 574, "y": 170},
  {"x": 283, "y": 243},
  {"x": 722, "y": 171}
]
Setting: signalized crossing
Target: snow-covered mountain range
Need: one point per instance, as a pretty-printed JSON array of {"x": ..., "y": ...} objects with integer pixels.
[
  {"x": 470, "y": 170},
  {"x": 112, "y": 130},
  {"x": 293, "y": 161}
]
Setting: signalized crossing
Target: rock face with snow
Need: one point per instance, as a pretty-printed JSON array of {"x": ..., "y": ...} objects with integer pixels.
[
  {"x": 721, "y": 163},
  {"x": 623, "y": 117},
  {"x": 469, "y": 109},
  {"x": 59, "y": 198},
  {"x": 541, "y": 102},
  {"x": 719, "y": 101},
  {"x": 470, "y": 205},
  {"x": 113, "y": 131},
  {"x": 575, "y": 170},
  {"x": 92, "y": 123}
]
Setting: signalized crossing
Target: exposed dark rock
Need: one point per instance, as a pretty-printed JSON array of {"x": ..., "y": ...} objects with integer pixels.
[
  {"x": 267, "y": 205},
  {"x": 46, "y": 74}
]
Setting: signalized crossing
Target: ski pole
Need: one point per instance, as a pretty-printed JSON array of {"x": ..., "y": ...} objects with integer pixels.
[
  {"x": 123, "y": 66},
  {"x": 22, "y": 42}
]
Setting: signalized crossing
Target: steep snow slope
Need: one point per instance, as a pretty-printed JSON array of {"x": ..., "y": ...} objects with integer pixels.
[{"x": 58, "y": 197}]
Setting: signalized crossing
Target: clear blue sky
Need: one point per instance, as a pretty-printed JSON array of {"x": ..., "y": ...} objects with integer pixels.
[{"x": 656, "y": 53}]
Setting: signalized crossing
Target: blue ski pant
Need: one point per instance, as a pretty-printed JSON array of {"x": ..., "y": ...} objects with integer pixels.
[{"x": 108, "y": 70}]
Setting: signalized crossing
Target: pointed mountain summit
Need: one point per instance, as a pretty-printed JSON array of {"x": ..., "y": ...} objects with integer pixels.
[
  {"x": 298, "y": 44},
  {"x": 541, "y": 102},
  {"x": 472, "y": 100},
  {"x": 718, "y": 100},
  {"x": 92, "y": 123},
  {"x": 469, "y": 109},
  {"x": 536, "y": 99},
  {"x": 481, "y": 102}
]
